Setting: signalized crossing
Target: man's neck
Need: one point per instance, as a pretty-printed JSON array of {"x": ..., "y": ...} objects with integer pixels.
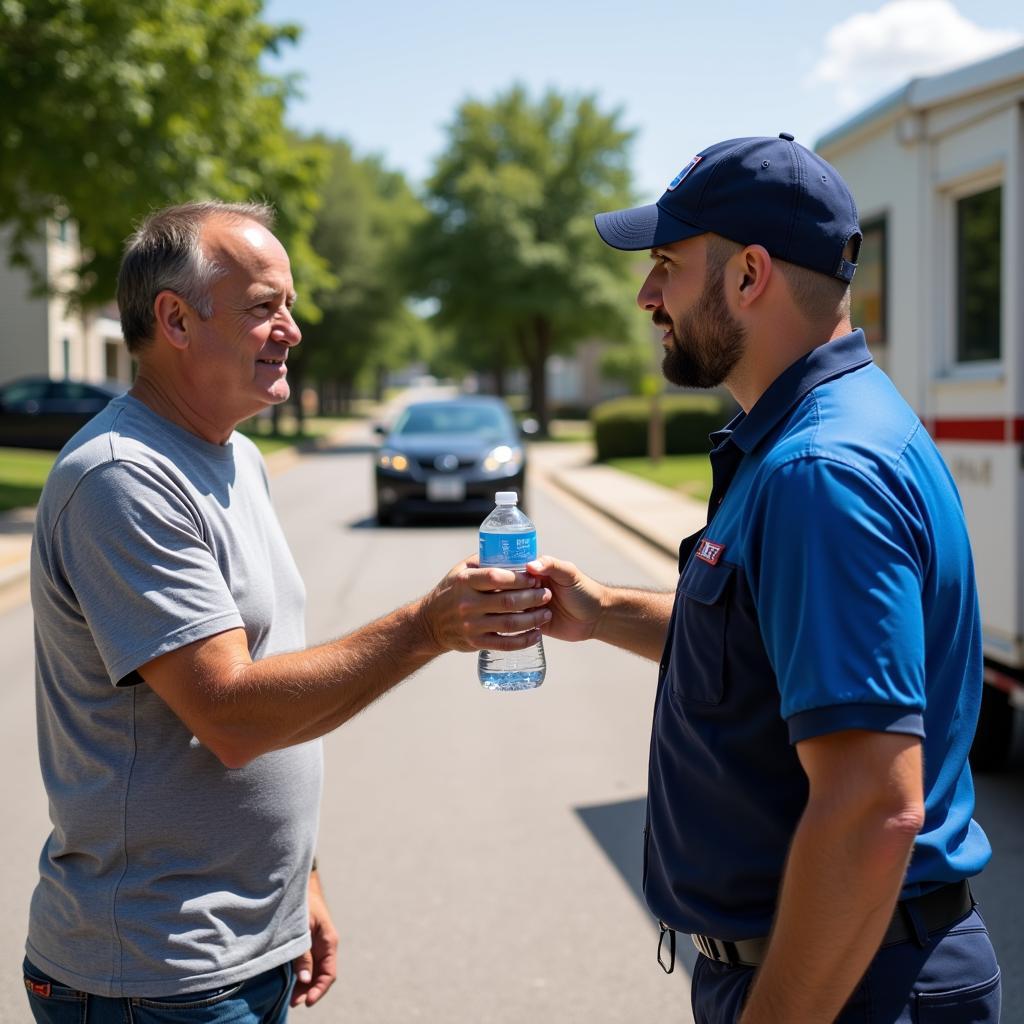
[
  {"x": 165, "y": 402},
  {"x": 768, "y": 357}
]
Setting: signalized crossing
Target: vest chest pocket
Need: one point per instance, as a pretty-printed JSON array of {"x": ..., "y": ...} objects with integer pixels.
[{"x": 698, "y": 655}]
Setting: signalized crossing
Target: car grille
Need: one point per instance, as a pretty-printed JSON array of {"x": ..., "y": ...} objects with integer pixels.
[{"x": 427, "y": 462}]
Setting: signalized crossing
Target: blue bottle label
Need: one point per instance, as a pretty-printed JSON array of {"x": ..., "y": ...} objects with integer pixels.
[{"x": 508, "y": 548}]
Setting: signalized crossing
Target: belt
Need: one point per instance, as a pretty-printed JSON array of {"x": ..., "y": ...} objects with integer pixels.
[{"x": 912, "y": 919}]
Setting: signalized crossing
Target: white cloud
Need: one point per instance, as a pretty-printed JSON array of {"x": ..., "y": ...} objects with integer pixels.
[{"x": 869, "y": 54}]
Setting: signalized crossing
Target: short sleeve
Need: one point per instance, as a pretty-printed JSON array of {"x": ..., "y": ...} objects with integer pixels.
[
  {"x": 837, "y": 580},
  {"x": 131, "y": 549}
]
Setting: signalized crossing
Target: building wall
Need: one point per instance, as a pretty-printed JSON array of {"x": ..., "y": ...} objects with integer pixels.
[
  {"x": 24, "y": 345},
  {"x": 46, "y": 336}
]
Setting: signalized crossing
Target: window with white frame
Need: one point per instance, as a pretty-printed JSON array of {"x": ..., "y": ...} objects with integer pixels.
[{"x": 979, "y": 272}]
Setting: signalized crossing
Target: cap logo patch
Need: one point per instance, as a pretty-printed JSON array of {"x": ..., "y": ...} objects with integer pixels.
[
  {"x": 682, "y": 175},
  {"x": 709, "y": 551}
]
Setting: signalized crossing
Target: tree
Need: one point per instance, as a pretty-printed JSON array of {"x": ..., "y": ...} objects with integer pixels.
[
  {"x": 113, "y": 109},
  {"x": 365, "y": 219},
  {"x": 510, "y": 250}
]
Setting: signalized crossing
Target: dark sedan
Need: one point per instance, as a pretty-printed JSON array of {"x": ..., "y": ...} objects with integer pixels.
[
  {"x": 449, "y": 456},
  {"x": 36, "y": 412}
]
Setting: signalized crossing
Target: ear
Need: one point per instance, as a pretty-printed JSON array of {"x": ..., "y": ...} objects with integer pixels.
[
  {"x": 172, "y": 314},
  {"x": 753, "y": 271}
]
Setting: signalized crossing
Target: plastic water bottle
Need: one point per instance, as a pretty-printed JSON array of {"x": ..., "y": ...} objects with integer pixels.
[{"x": 508, "y": 539}]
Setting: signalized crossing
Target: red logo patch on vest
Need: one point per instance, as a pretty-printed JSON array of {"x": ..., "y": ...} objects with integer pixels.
[{"x": 710, "y": 552}]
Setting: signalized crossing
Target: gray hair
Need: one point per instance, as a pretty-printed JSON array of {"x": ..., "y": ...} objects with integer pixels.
[{"x": 164, "y": 254}]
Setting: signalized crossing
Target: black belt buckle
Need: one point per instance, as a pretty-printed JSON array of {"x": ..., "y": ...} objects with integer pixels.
[{"x": 670, "y": 932}]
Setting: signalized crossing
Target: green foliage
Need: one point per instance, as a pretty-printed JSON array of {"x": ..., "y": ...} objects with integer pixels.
[
  {"x": 620, "y": 424},
  {"x": 113, "y": 109},
  {"x": 510, "y": 249},
  {"x": 366, "y": 216}
]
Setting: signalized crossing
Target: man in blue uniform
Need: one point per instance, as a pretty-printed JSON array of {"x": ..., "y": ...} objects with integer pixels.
[{"x": 810, "y": 809}]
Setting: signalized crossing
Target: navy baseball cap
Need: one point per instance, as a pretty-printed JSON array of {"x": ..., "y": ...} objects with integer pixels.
[{"x": 755, "y": 191}]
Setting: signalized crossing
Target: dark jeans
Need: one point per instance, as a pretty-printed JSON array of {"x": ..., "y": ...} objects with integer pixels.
[
  {"x": 953, "y": 979},
  {"x": 259, "y": 1000}
]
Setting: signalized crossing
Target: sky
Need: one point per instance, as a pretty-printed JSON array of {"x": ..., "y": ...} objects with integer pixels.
[{"x": 389, "y": 76}]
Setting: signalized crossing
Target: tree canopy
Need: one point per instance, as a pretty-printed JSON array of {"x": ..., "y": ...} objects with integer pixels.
[
  {"x": 510, "y": 249},
  {"x": 365, "y": 219},
  {"x": 112, "y": 109}
]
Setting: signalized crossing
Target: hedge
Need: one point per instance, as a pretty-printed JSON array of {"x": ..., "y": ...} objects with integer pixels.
[{"x": 620, "y": 424}]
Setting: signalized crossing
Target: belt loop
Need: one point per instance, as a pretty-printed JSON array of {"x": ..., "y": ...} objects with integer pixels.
[
  {"x": 914, "y": 923},
  {"x": 665, "y": 930}
]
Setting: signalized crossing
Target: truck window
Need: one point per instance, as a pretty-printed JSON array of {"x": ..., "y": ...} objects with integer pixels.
[
  {"x": 868, "y": 298},
  {"x": 979, "y": 267}
]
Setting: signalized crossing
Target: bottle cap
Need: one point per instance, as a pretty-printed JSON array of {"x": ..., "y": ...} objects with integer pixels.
[{"x": 506, "y": 498}]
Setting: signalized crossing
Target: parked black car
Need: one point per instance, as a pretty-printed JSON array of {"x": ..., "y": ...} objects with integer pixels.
[
  {"x": 36, "y": 412},
  {"x": 449, "y": 456}
]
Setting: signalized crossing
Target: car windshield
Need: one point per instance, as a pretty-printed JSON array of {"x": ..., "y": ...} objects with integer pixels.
[{"x": 477, "y": 420}]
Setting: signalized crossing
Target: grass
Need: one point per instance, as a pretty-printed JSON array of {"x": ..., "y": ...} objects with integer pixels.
[
  {"x": 690, "y": 474},
  {"x": 23, "y": 472}
]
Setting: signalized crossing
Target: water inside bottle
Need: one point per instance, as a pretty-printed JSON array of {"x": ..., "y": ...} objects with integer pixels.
[{"x": 506, "y": 537}]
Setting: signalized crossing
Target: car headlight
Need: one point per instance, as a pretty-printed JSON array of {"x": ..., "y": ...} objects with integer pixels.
[
  {"x": 395, "y": 461},
  {"x": 503, "y": 457}
]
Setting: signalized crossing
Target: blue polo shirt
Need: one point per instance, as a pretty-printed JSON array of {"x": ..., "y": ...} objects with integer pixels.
[{"x": 833, "y": 588}]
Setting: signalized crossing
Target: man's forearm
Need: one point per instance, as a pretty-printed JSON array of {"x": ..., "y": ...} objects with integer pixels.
[
  {"x": 636, "y": 620},
  {"x": 840, "y": 887},
  {"x": 292, "y": 698}
]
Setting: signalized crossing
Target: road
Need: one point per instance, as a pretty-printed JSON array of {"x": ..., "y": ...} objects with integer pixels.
[{"x": 481, "y": 851}]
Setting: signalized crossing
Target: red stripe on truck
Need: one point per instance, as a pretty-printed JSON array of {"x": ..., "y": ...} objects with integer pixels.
[{"x": 1001, "y": 429}]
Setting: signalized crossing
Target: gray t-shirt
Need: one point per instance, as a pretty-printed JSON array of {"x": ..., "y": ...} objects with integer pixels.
[{"x": 165, "y": 872}]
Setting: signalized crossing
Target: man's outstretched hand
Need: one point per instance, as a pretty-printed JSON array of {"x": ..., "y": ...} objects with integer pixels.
[{"x": 576, "y": 600}]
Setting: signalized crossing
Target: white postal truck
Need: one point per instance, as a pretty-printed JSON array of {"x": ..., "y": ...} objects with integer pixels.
[{"x": 937, "y": 169}]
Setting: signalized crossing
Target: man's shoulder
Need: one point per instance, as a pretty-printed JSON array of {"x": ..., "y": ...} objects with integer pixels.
[
  {"x": 110, "y": 450},
  {"x": 859, "y": 420}
]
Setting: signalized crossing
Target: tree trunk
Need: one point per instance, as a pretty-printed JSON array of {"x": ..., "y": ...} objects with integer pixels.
[
  {"x": 275, "y": 420},
  {"x": 656, "y": 429},
  {"x": 537, "y": 361},
  {"x": 500, "y": 387},
  {"x": 297, "y": 382}
]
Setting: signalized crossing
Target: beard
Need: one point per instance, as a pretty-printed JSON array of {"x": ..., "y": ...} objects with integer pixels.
[{"x": 707, "y": 342}]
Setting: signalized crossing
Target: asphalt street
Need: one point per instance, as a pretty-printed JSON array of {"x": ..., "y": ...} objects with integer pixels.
[{"x": 481, "y": 851}]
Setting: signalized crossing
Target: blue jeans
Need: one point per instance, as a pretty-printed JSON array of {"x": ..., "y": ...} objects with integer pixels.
[
  {"x": 952, "y": 979},
  {"x": 260, "y": 1000}
]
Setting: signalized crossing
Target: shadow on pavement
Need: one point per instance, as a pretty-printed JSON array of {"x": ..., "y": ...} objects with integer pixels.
[
  {"x": 999, "y": 889},
  {"x": 618, "y": 829}
]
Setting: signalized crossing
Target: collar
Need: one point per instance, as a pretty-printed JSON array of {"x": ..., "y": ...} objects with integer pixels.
[{"x": 824, "y": 363}]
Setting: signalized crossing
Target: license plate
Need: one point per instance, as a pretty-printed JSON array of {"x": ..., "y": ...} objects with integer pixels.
[{"x": 446, "y": 488}]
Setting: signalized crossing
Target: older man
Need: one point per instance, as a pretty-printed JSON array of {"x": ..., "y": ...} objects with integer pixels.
[
  {"x": 179, "y": 714},
  {"x": 810, "y": 810}
]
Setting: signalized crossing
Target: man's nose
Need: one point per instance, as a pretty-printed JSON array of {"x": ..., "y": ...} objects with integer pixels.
[
  {"x": 649, "y": 296},
  {"x": 286, "y": 329}
]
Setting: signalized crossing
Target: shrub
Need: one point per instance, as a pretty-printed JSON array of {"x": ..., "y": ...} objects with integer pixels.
[{"x": 620, "y": 424}]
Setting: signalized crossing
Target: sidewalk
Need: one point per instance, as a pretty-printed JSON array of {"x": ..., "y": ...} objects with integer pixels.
[{"x": 656, "y": 514}]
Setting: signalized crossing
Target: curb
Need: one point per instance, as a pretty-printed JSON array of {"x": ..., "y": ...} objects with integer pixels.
[{"x": 581, "y": 495}]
